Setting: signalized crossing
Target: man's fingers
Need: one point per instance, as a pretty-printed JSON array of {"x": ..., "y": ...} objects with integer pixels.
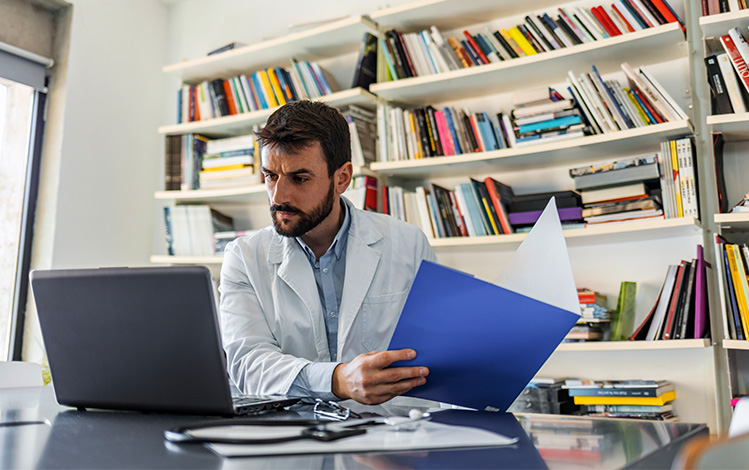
[
  {"x": 396, "y": 374},
  {"x": 383, "y": 359}
]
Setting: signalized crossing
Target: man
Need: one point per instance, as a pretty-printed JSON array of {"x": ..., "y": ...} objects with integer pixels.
[{"x": 307, "y": 304}]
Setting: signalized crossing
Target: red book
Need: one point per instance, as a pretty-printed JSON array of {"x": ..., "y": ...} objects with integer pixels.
[
  {"x": 658, "y": 118},
  {"x": 196, "y": 90},
  {"x": 738, "y": 61},
  {"x": 669, "y": 324},
  {"x": 385, "y": 208},
  {"x": 622, "y": 17},
  {"x": 472, "y": 42},
  {"x": 370, "y": 198},
  {"x": 611, "y": 23},
  {"x": 230, "y": 98},
  {"x": 667, "y": 13},
  {"x": 504, "y": 220},
  {"x": 459, "y": 220},
  {"x": 601, "y": 20},
  {"x": 476, "y": 133}
]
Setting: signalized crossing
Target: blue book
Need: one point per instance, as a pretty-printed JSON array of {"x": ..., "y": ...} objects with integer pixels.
[
  {"x": 259, "y": 91},
  {"x": 388, "y": 60},
  {"x": 471, "y": 53},
  {"x": 432, "y": 203},
  {"x": 565, "y": 121},
  {"x": 614, "y": 101},
  {"x": 466, "y": 189},
  {"x": 451, "y": 126},
  {"x": 485, "y": 127},
  {"x": 429, "y": 52},
  {"x": 179, "y": 106},
  {"x": 645, "y": 109}
]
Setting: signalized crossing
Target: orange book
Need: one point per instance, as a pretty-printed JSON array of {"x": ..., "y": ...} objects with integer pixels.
[
  {"x": 230, "y": 98},
  {"x": 196, "y": 101},
  {"x": 504, "y": 219}
]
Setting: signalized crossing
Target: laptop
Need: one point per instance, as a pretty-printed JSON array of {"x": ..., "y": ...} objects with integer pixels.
[{"x": 143, "y": 339}]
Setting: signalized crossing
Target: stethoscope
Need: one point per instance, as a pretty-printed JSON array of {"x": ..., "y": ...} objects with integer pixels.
[{"x": 267, "y": 431}]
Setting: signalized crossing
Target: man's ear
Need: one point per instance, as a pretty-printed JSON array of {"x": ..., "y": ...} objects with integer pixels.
[{"x": 342, "y": 177}]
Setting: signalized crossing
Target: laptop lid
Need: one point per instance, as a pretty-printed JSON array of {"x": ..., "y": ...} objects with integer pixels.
[{"x": 133, "y": 338}]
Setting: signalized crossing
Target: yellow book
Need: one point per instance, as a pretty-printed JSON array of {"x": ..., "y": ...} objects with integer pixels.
[
  {"x": 512, "y": 43},
  {"x": 677, "y": 180},
  {"x": 649, "y": 401},
  {"x": 736, "y": 266},
  {"x": 265, "y": 80},
  {"x": 236, "y": 166},
  {"x": 491, "y": 219},
  {"x": 414, "y": 131},
  {"x": 521, "y": 41},
  {"x": 276, "y": 85}
]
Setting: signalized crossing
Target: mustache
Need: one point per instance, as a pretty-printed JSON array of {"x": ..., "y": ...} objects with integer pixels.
[{"x": 284, "y": 208}]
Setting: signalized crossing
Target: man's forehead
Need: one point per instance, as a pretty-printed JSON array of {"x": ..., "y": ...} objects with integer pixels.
[{"x": 309, "y": 157}]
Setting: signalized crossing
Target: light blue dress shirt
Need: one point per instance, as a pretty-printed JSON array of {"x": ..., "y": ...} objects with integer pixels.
[{"x": 314, "y": 380}]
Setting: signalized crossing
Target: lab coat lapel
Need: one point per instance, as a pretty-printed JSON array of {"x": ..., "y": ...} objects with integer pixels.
[
  {"x": 361, "y": 264},
  {"x": 296, "y": 272}
]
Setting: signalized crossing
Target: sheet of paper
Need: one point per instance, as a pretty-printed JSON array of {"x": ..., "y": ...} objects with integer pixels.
[
  {"x": 430, "y": 436},
  {"x": 482, "y": 342}
]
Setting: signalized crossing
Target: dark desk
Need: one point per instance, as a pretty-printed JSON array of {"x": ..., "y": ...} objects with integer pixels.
[{"x": 97, "y": 439}]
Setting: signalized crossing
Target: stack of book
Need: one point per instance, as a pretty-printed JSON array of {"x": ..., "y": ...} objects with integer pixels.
[
  {"x": 221, "y": 239},
  {"x": 229, "y": 162},
  {"x": 362, "y": 125},
  {"x": 183, "y": 158},
  {"x": 544, "y": 395},
  {"x": 620, "y": 190},
  {"x": 260, "y": 90},
  {"x": 476, "y": 208},
  {"x": 428, "y": 52},
  {"x": 679, "y": 178},
  {"x": 732, "y": 267},
  {"x": 715, "y": 7},
  {"x": 190, "y": 229},
  {"x": 608, "y": 106},
  {"x": 525, "y": 209},
  {"x": 544, "y": 115},
  {"x": 724, "y": 72},
  {"x": 681, "y": 309},
  {"x": 408, "y": 134},
  {"x": 594, "y": 318},
  {"x": 640, "y": 399}
]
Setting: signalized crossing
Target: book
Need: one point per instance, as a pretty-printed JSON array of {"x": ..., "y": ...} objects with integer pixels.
[
  {"x": 738, "y": 61},
  {"x": 624, "y": 317},
  {"x": 616, "y": 173},
  {"x": 720, "y": 98},
  {"x": 610, "y": 389},
  {"x": 731, "y": 82},
  {"x": 661, "y": 309},
  {"x": 648, "y": 401},
  {"x": 635, "y": 190}
]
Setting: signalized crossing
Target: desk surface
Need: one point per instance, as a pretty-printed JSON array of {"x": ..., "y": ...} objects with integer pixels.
[{"x": 98, "y": 439}]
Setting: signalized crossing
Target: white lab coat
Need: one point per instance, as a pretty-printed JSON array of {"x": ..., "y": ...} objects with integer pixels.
[{"x": 271, "y": 315}]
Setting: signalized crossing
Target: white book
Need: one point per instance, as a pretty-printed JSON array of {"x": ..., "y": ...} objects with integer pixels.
[
  {"x": 226, "y": 161},
  {"x": 412, "y": 211},
  {"x": 460, "y": 197},
  {"x": 592, "y": 196},
  {"x": 201, "y": 234},
  {"x": 665, "y": 195},
  {"x": 248, "y": 93},
  {"x": 434, "y": 53},
  {"x": 687, "y": 177},
  {"x": 627, "y": 15},
  {"x": 226, "y": 174},
  {"x": 424, "y": 216},
  {"x": 418, "y": 52},
  {"x": 401, "y": 124},
  {"x": 733, "y": 5},
  {"x": 534, "y": 19},
  {"x": 663, "y": 109},
  {"x": 603, "y": 92},
  {"x": 721, "y": 275},
  {"x": 732, "y": 84},
  {"x": 616, "y": 19},
  {"x": 298, "y": 85},
  {"x": 646, "y": 13},
  {"x": 680, "y": 114},
  {"x": 656, "y": 326},
  {"x": 592, "y": 27},
  {"x": 204, "y": 102},
  {"x": 229, "y": 144},
  {"x": 740, "y": 43},
  {"x": 445, "y": 49},
  {"x": 597, "y": 100},
  {"x": 382, "y": 133},
  {"x": 555, "y": 138},
  {"x": 391, "y": 134},
  {"x": 594, "y": 116},
  {"x": 185, "y": 108},
  {"x": 510, "y": 132},
  {"x": 180, "y": 230}
]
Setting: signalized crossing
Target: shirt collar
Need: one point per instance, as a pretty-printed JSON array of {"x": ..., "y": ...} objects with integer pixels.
[{"x": 339, "y": 242}]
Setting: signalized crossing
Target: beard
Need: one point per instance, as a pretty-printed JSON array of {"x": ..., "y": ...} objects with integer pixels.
[{"x": 306, "y": 220}]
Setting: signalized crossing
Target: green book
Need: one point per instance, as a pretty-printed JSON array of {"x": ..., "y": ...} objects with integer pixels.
[{"x": 624, "y": 317}]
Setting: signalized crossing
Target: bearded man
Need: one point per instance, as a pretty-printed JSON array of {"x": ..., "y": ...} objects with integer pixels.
[{"x": 308, "y": 305}]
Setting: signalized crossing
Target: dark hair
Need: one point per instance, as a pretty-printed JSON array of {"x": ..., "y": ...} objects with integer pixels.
[{"x": 296, "y": 125}]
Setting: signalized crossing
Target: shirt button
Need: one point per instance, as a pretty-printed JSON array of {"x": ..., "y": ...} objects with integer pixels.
[
  {"x": 332, "y": 314},
  {"x": 325, "y": 270}
]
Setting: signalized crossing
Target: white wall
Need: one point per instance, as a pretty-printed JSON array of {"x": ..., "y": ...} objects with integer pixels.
[{"x": 111, "y": 154}]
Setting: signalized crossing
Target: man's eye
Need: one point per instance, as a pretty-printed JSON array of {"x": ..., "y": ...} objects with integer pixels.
[
  {"x": 271, "y": 176},
  {"x": 300, "y": 179}
]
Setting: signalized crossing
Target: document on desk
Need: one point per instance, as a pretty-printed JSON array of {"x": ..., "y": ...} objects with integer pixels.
[
  {"x": 430, "y": 436},
  {"x": 484, "y": 342}
]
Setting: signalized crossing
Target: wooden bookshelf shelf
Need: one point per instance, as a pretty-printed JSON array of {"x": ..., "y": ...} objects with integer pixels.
[
  {"x": 573, "y": 151},
  {"x": 736, "y": 221},
  {"x": 635, "y": 345},
  {"x": 714, "y": 26},
  {"x": 736, "y": 344},
  {"x": 237, "y": 124},
  {"x": 614, "y": 232},
  {"x": 452, "y": 14},
  {"x": 329, "y": 40},
  {"x": 735, "y": 127},
  {"x": 641, "y": 47},
  {"x": 201, "y": 260}
]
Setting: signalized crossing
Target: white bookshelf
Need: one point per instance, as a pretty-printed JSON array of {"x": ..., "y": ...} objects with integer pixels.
[
  {"x": 613, "y": 232},
  {"x": 733, "y": 220},
  {"x": 636, "y": 345},
  {"x": 242, "y": 123},
  {"x": 328, "y": 40},
  {"x": 651, "y": 45},
  {"x": 736, "y": 344},
  {"x": 572, "y": 151},
  {"x": 451, "y": 14},
  {"x": 714, "y": 26},
  {"x": 734, "y": 127},
  {"x": 242, "y": 194}
]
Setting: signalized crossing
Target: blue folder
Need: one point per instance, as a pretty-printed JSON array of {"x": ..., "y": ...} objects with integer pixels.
[{"x": 482, "y": 343}]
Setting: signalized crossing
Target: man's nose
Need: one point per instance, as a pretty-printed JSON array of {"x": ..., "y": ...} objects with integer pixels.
[{"x": 280, "y": 192}]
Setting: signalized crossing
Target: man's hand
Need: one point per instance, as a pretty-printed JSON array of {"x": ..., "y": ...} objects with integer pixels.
[{"x": 367, "y": 380}]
